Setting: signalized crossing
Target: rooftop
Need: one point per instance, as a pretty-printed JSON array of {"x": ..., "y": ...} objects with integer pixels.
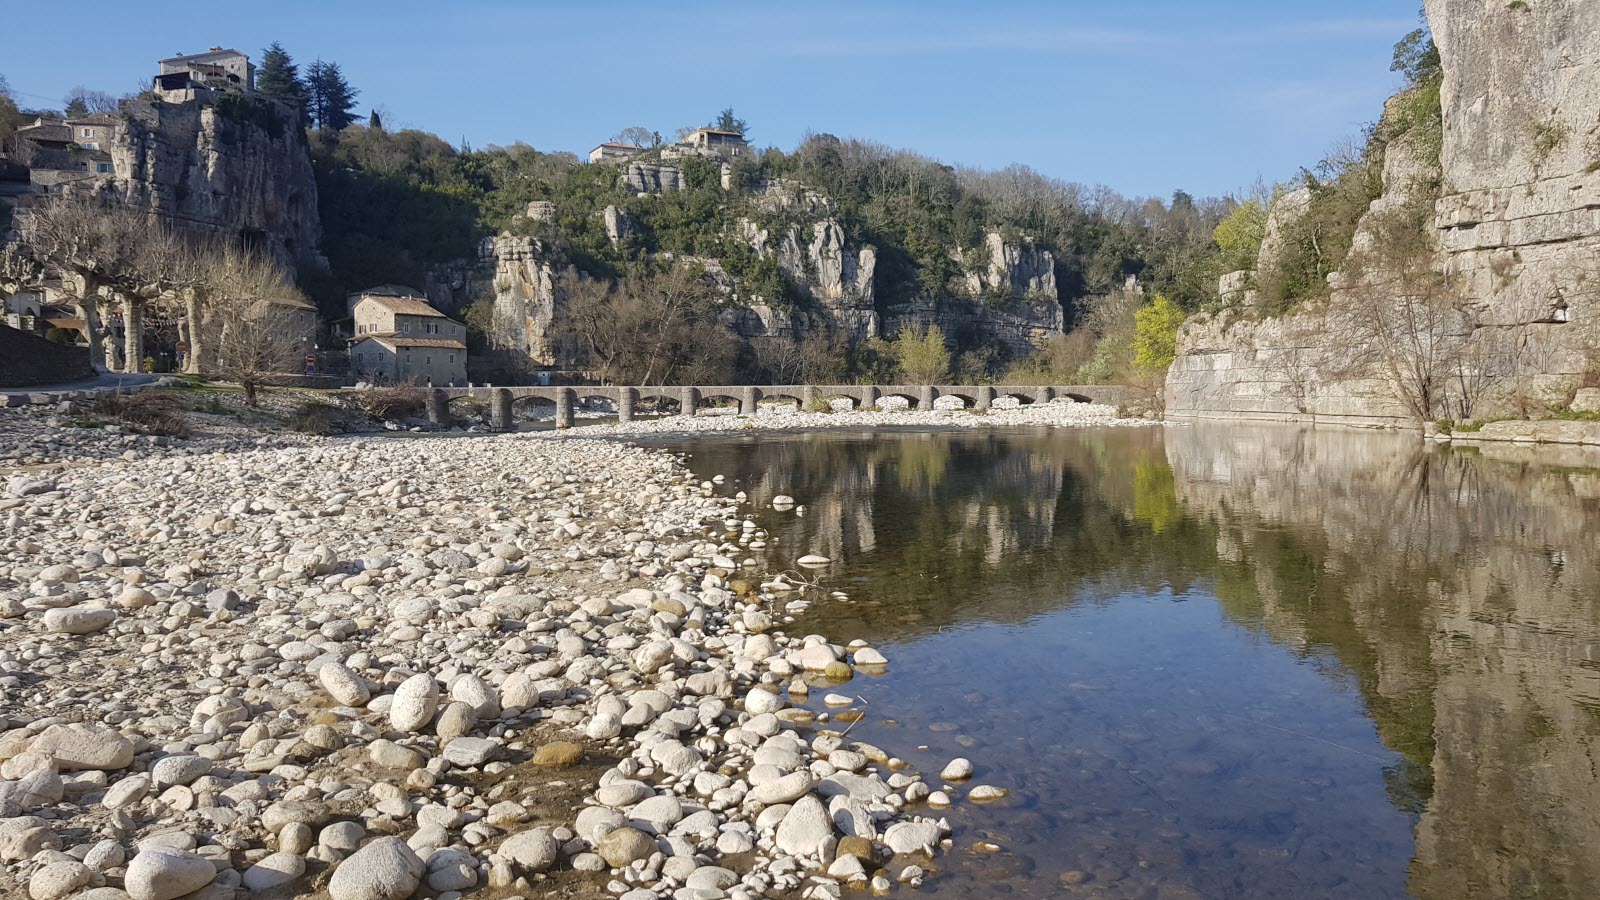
[
  {"x": 213, "y": 53},
  {"x": 405, "y": 306},
  {"x": 398, "y": 341}
]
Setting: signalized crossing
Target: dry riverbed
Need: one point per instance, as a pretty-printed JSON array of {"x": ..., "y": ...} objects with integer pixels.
[{"x": 373, "y": 669}]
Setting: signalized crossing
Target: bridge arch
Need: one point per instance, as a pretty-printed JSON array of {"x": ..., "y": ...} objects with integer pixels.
[{"x": 913, "y": 401}]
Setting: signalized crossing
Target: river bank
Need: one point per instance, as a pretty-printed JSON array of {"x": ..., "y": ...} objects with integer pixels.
[{"x": 362, "y": 665}]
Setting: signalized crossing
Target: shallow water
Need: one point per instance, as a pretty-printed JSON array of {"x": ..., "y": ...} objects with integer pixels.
[{"x": 1217, "y": 661}]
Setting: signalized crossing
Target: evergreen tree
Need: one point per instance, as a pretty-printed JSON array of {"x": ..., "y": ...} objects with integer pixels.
[
  {"x": 279, "y": 78},
  {"x": 727, "y": 121},
  {"x": 333, "y": 100}
]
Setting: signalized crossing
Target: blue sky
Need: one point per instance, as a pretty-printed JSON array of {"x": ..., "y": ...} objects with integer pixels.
[{"x": 1146, "y": 96}]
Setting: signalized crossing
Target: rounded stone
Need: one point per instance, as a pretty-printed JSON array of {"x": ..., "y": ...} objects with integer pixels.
[
  {"x": 415, "y": 701},
  {"x": 534, "y": 850},
  {"x": 624, "y": 846},
  {"x": 159, "y": 873}
]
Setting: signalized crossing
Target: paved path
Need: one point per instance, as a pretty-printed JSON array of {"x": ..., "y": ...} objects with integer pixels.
[{"x": 52, "y": 393}]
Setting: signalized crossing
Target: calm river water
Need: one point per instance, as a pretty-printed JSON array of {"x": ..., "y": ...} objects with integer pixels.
[{"x": 1218, "y": 661}]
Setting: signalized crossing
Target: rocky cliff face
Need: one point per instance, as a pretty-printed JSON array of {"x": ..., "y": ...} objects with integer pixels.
[
  {"x": 1516, "y": 223},
  {"x": 526, "y": 301},
  {"x": 1009, "y": 269},
  {"x": 241, "y": 170},
  {"x": 827, "y": 266},
  {"x": 648, "y": 178},
  {"x": 1008, "y": 293}
]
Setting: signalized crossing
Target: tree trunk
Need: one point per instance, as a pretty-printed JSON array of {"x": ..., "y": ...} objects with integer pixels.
[
  {"x": 191, "y": 312},
  {"x": 249, "y": 386},
  {"x": 132, "y": 334},
  {"x": 88, "y": 308}
]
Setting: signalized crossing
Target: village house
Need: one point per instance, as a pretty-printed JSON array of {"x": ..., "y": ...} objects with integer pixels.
[
  {"x": 59, "y": 150},
  {"x": 613, "y": 151},
  {"x": 718, "y": 143},
  {"x": 216, "y": 69},
  {"x": 403, "y": 338}
]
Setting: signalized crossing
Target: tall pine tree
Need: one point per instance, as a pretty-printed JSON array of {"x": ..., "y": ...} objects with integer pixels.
[
  {"x": 279, "y": 78},
  {"x": 333, "y": 100}
]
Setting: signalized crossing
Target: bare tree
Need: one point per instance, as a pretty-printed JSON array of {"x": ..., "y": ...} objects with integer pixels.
[
  {"x": 82, "y": 101},
  {"x": 635, "y": 135},
  {"x": 251, "y": 309},
  {"x": 18, "y": 269},
  {"x": 649, "y": 329},
  {"x": 1400, "y": 315},
  {"x": 91, "y": 245}
]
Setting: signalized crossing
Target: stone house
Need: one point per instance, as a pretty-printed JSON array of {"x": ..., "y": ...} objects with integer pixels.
[
  {"x": 58, "y": 150},
  {"x": 613, "y": 151},
  {"x": 718, "y": 143},
  {"x": 403, "y": 338},
  {"x": 216, "y": 69}
]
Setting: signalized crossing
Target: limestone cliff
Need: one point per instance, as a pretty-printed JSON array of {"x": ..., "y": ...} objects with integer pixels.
[
  {"x": 238, "y": 166},
  {"x": 1004, "y": 290},
  {"x": 825, "y": 266},
  {"x": 1516, "y": 226}
]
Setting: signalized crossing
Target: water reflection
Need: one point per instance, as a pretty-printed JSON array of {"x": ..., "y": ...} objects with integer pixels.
[{"x": 1221, "y": 661}]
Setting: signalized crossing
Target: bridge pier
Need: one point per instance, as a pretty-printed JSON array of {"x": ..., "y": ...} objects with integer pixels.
[
  {"x": 1045, "y": 395},
  {"x": 748, "y": 397},
  {"x": 869, "y": 397},
  {"x": 985, "y": 398},
  {"x": 626, "y": 398},
  {"x": 690, "y": 401},
  {"x": 564, "y": 408},
  {"x": 926, "y": 395},
  {"x": 500, "y": 410},
  {"x": 808, "y": 398},
  {"x": 438, "y": 406}
]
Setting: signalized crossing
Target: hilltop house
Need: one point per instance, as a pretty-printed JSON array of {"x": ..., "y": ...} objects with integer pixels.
[
  {"x": 403, "y": 338},
  {"x": 613, "y": 151},
  {"x": 216, "y": 69},
  {"x": 718, "y": 143}
]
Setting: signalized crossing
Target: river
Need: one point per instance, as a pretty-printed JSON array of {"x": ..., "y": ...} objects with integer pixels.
[{"x": 1216, "y": 661}]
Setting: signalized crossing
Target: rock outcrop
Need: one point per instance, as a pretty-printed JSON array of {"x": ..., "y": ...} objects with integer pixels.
[
  {"x": 1517, "y": 228},
  {"x": 526, "y": 301},
  {"x": 649, "y": 178},
  {"x": 827, "y": 266},
  {"x": 1013, "y": 269},
  {"x": 239, "y": 167}
]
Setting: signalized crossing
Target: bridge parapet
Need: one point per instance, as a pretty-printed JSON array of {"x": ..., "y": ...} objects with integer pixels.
[{"x": 865, "y": 396}]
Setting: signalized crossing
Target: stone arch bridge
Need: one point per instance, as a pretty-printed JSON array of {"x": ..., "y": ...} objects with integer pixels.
[{"x": 690, "y": 399}]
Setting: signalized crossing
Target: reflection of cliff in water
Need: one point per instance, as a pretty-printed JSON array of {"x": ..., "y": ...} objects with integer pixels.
[
  {"x": 1460, "y": 593},
  {"x": 945, "y": 528}
]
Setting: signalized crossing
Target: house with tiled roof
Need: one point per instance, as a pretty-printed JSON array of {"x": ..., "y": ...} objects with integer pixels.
[{"x": 399, "y": 336}]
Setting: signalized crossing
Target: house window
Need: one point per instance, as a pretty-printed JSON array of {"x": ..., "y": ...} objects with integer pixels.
[
  {"x": 86, "y": 132},
  {"x": 408, "y": 328},
  {"x": 427, "y": 360},
  {"x": 452, "y": 357},
  {"x": 103, "y": 168},
  {"x": 91, "y": 145}
]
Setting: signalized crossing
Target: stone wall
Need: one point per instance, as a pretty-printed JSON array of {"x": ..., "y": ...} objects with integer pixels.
[
  {"x": 1517, "y": 229},
  {"x": 27, "y": 359}
]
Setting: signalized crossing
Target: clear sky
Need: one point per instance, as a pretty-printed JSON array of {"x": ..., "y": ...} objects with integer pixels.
[{"x": 1146, "y": 96}]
